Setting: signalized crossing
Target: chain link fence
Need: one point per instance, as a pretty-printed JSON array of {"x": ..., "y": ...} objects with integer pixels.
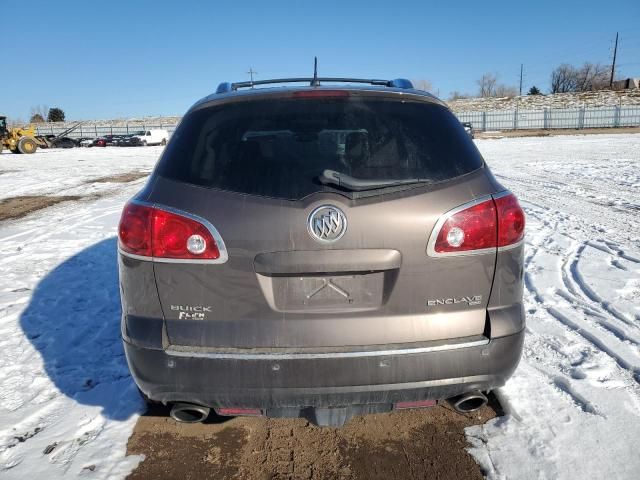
[
  {"x": 95, "y": 130},
  {"x": 548, "y": 118}
]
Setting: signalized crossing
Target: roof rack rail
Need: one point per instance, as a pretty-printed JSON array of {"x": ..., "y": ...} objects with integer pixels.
[{"x": 396, "y": 83}]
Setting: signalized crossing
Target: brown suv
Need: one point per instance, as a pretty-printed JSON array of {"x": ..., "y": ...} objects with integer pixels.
[{"x": 320, "y": 251}]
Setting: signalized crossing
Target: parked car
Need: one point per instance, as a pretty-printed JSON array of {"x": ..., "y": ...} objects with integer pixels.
[
  {"x": 130, "y": 141},
  {"x": 112, "y": 140},
  {"x": 86, "y": 142},
  {"x": 152, "y": 137},
  {"x": 321, "y": 252},
  {"x": 468, "y": 127},
  {"x": 99, "y": 142}
]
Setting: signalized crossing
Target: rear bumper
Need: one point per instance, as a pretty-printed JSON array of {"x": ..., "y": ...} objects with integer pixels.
[{"x": 284, "y": 385}]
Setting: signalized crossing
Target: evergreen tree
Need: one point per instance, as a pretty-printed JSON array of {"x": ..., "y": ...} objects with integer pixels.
[
  {"x": 55, "y": 115},
  {"x": 534, "y": 91}
]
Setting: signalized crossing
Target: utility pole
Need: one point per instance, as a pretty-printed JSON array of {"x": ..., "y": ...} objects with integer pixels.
[
  {"x": 521, "y": 67},
  {"x": 252, "y": 72},
  {"x": 613, "y": 64}
]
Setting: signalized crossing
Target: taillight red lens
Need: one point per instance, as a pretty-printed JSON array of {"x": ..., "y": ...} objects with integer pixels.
[
  {"x": 172, "y": 234},
  {"x": 473, "y": 228},
  {"x": 134, "y": 230},
  {"x": 492, "y": 223},
  {"x": 152, "y": 232},
  {"x": 510, "y": 220}
]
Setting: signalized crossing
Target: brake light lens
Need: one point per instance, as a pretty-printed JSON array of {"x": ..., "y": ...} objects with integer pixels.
[
  {"x": 151, "y": 232},
  {"x": 320, "y": 93},
  {"x": 473, "y": 228},
  {"x": 495, "y": 222},
  {"x": 510, "y": 220}
]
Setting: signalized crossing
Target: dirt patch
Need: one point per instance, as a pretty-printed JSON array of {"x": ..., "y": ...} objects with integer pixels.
[
  {"x": 16, "y": 207},
  {"x": 119, "y": 178},
  {"x": 556, "y": 132},
  {"x": 428, "y": 443}
]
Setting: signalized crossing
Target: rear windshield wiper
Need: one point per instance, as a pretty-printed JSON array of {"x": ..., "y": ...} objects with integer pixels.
[{"x": 331, "y": 177}]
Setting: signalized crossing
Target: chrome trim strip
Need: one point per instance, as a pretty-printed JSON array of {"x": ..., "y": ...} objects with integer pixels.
[
  {"x": 222, "y": 248},
  {"x": 320, "y": 355},
  {"x": 512, "y": 246},
  {"x": 501, "y": 194}
]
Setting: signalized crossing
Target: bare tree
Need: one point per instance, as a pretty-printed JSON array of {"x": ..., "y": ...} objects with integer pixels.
[
  {"x": 422, "y": 84},
  {"x": 505, "y": 91},
  {"x": 487, "y": 85},
  {"x": 592, "y": 76},
  {"x": 39, "y": 112},
  {"x": 563, "y": 79},
  {"x": 456, "y": 95}
]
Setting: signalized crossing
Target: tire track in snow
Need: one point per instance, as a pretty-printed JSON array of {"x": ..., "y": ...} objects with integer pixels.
[{"x": 572, "y": 274}]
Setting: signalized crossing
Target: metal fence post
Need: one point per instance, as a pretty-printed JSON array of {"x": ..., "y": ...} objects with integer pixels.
[
  {"x": 581, "y": 118},
  {"x": 515, "y": 119},
  {"x": 484, "y": 121},
  {"x": 616, "y": 116}
]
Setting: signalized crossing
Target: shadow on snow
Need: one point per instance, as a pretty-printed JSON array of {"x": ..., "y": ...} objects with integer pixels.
[{"x": 73, "y": 320}]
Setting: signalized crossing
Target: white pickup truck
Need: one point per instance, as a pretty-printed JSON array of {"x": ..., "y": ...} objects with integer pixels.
[{"x": 153, "y": 137}]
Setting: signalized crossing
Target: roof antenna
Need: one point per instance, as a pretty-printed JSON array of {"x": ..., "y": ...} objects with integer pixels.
[{"x": 315, "y": 82}]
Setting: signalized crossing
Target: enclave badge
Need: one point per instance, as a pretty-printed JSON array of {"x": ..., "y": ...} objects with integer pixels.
[{"x": 470, "y": 301}]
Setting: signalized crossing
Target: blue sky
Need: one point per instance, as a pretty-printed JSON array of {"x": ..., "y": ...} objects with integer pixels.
[{"x": 134, "y": 58}]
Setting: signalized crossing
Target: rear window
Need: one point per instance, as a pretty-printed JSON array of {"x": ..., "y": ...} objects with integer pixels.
[{"x": 280, "y": 147}]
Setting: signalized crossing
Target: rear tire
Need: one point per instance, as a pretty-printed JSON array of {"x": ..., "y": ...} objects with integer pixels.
[
  {"x": 144, "y": 143},
  {"x": 27, "y": 145},
  {"x": 163, "y": 142}
]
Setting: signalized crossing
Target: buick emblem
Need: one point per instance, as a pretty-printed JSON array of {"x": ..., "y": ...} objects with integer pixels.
[{"x": 327, "y": 223}]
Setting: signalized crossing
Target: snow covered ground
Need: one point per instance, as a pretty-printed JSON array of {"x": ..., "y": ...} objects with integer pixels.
[
  {"x": 67, "y": 402},
  {"x": 68, "y": 405},
  {"x": 574, "y": 402}
]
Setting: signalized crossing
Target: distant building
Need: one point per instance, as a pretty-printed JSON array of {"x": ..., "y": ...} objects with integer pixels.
[{"x": 626, "y": 84}]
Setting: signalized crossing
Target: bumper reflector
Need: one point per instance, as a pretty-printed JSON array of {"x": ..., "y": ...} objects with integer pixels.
[
  {"x": 237, "y": 412},
  {"x": 416, "y": 404}
]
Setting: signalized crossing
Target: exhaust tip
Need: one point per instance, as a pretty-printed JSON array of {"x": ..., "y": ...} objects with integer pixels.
[
  {"x": 468, "y": 402},
  {"x": 189, "y": 413}
]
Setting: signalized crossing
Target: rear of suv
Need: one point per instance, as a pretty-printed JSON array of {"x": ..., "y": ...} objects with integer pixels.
[{"x": 320, "y": 252}]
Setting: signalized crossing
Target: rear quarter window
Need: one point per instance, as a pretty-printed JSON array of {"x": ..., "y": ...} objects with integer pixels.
[{"x": 279, "y": 147}]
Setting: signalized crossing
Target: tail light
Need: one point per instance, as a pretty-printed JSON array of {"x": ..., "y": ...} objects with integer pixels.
[
  {"x": 478, "y": 227},
  {"x": 510, "y": 220},
  {"x": 320, "y": 94},
  {"x": 166, "y": 235}
]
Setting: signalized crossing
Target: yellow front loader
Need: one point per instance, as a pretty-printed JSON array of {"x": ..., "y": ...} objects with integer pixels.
[
  {"x": 25, "y": 140},
  {"x": 18, "y": 140}
]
